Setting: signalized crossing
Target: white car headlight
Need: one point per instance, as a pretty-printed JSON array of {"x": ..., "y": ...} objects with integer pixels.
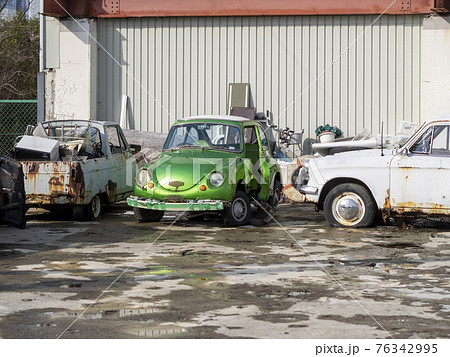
[
  {"x": 303, "y": 176},
  {"x": 143, "y": 177},
  {"x": 216, "y": 179}
]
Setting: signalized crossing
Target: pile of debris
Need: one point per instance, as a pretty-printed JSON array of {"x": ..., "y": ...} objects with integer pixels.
[{"x": 12, "y": 193}]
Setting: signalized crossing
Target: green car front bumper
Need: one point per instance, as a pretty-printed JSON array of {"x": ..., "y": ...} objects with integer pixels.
[{"x": 188, "y": 205}]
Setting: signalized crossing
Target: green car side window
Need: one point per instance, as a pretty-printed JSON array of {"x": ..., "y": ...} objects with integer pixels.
[
  {"x": 250, "y": 135},
  {"x": 263, "y": 138}
]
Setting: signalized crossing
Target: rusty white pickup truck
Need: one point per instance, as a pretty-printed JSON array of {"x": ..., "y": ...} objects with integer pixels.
[
  {"x": 76, "y": 163},
  {"x": 352, "y": 188}
]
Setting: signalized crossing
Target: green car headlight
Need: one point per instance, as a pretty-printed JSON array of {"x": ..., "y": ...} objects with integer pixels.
[
  {"x": 143, "y": 178},
  {"x": 216, "y": 179}
]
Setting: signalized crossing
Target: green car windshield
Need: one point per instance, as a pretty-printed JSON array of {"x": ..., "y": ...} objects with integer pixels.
[{"x": 205, "y": 136}]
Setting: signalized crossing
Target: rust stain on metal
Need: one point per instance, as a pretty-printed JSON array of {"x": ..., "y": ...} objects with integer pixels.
[
  {"x": 112, "y": 191},
  {"x": 33, "y": 168},
  {"x": 414, "y": 207},
  {"x": 386, "y": 210},
  {"x": 56, "y": 180},
  {"x": 56, "y": 185},
  {"x": 76, "y": 182}
]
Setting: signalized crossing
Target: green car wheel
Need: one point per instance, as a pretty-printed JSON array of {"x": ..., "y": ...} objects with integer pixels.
[
  {"x": 147, "y": 215},
  {"x": 274, "y": 200},
  {"x": 239, "y": 212}
]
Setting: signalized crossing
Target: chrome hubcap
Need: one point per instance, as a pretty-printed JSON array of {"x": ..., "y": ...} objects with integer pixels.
[
  {"x": 348, "y": 209},
  {"x": 239, "y": 209}
]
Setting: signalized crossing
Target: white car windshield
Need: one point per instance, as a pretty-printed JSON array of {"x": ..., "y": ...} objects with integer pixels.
[{"x": 205, "y": 136}]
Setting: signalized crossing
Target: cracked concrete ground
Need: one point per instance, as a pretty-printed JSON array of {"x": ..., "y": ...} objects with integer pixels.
[{"x": 203, "y": 280}]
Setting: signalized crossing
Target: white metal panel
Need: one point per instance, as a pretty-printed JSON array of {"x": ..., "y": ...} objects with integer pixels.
[{"x": 350, "y": 71}]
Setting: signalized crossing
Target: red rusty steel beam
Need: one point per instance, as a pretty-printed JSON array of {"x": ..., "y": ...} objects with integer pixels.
[{"x": 163, "y": 8}]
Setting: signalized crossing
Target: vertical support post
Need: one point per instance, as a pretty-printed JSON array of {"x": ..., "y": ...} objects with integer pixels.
[
  {"x": 41, "y": 74},
  {"x": 123, "y": 113},
  {"x": 41, "y": 97}
]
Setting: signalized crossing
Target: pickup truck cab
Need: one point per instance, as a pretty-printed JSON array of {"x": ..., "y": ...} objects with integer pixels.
[
  {"x": 76, "y": 163},
  {"x": 209, "y": 163},
  {"x": 352, "y": 188}
]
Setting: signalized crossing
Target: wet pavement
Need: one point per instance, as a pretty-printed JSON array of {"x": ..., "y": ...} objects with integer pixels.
[{"x": 202, "y": 280}]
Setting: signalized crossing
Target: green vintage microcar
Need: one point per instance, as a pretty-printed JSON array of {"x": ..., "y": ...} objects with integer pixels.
[{"x": 209, "y": 163}]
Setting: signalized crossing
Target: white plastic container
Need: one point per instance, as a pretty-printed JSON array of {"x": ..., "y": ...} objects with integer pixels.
[{"x": 327, "y": 137}]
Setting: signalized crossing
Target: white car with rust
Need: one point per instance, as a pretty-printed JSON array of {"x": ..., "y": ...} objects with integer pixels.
[
  {"x": 79, "y": 164},
  {"x": 353, "y": 188}
]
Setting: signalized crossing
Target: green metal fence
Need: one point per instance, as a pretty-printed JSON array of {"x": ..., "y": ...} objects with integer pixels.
[{"x": 15, "y": 116}]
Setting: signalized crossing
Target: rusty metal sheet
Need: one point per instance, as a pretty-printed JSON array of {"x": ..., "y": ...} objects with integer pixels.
[
  {"x": 77, "y": 8},
  {"x": 151, "y": 8},
  {"x": 54, "y": 182}
]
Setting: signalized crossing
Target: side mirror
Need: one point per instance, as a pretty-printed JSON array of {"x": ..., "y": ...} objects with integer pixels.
[{"x": 135, "y": 148}]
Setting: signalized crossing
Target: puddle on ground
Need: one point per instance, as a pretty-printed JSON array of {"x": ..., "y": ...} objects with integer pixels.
[
  {"x": 46, "y": 236},
  {"x": 122, "y": 213},
  {"x": 17, "y": 250},
  {"x": 274, "y": 274},
  {"x": 158, "y": 250},
  {"x": 84, "y": 223},
  {"x": 436, "y": 240},
  {"x": 427, "y": 293},
  {"x": 96, "y": 267},
  {"x": 12, "y": 302},
  {"x": 433, "y": 265},
  {"x": 398, "y": 245},
  {"x": 205, "y": 237},
  {"x": 108, "y": 314},
  {"x": 158, "y": 331}
]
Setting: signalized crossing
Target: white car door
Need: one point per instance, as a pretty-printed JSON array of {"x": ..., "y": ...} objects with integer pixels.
[
  {"x": 419, "y": 179},
  {"x": 121, "y": 168}
]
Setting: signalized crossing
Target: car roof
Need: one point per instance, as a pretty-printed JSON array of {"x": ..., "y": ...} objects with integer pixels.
[
  {"x": 80, "y": 121},
  {"x": 445, "y": 116},
  {"x": 216, "y": 117}
]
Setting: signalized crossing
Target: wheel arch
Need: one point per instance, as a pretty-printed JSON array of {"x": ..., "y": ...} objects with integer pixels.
[
  {"x": 104, "y": 197},
  {"x": 340, "y": 180}
]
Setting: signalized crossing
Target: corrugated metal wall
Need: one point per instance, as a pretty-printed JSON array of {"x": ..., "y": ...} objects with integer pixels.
[{"x": 307, "y": 70}]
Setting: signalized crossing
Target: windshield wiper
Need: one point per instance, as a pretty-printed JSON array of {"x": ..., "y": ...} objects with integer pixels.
[
  {"x": 221, "y": 147},
  {"x": 184, "y": 146}
]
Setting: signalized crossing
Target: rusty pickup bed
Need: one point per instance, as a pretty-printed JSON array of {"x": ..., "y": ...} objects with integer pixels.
[{"x": 76, "y": 163}]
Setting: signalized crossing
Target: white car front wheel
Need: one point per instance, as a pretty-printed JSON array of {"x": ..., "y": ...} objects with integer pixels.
[{"x": 349, "y": 205}]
